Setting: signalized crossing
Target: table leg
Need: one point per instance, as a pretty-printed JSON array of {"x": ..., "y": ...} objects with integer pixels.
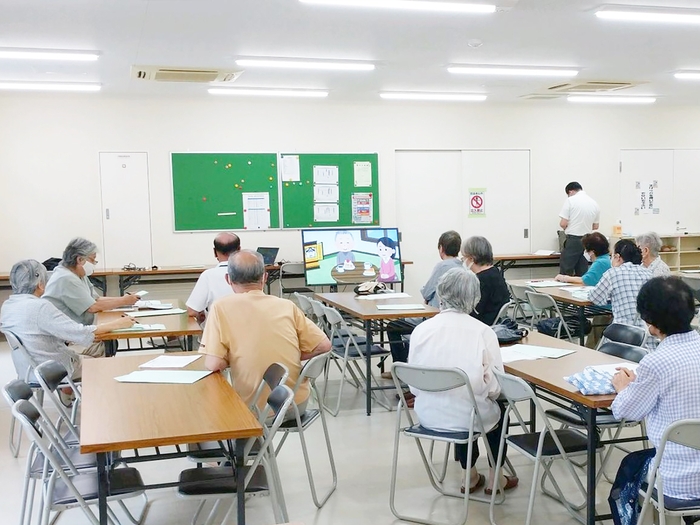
[
  {"x": 582, "y": 325},
  {"x": 111, "y": 346},
  {"x": 368, "y": 359},
  {"x": 533, "y": 412},
  {"x": 590, "y": 469},
  {"x": 102, "y": 486},
  {"x": 240, "y": 480},
  {"x": 189, "y": 343}
]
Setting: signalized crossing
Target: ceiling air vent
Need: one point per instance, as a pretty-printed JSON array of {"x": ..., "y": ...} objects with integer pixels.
[
  {"x": 591, "y": 87},
  {"x": 183, "y": 74},
  {"x": 539, "y": 96}
]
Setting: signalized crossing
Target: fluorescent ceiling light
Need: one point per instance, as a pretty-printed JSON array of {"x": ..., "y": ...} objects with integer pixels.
[
  {"x": 409, "y": 5},
  {"x": 630, "y": 15},
  {"x": 688, "y": 75},
  {"x": 446, "y": 97},
  {"x": 305, "y": 64},
  {"x": 48, "y": 54},
  {"x": 49, "y": 86},
  {"x": 303, "y": 93},
  {"x": 605, "y": 99},
  {"x": 512, "y": 71}
]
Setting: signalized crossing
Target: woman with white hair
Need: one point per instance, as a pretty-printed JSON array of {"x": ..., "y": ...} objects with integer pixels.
[
  {"x": 650, "y": 244},
  {"x": 43, "y": 329},
  {"x": 455, "y": 339}
]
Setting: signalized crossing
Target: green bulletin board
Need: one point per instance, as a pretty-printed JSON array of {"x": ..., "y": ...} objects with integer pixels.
[
  {"x": 310, "y": 200},
  {"x": 209, "y": 191}
]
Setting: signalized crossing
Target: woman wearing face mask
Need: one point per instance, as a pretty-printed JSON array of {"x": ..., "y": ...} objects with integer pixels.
[
  {"x": 70, "y": 289},
  {"x": 477, "y": 256},
  {"x": 596, "y": 249}
]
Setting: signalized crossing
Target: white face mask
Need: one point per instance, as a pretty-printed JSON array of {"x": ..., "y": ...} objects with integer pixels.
[
  {"x": 468, "y": 264},
  {"x": 88, "y": 268},
  {"x": 587, "y": 256}
]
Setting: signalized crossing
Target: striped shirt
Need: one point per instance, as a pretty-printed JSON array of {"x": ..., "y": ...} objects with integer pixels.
[
  {"x": 667, "y": 388},
  {"x": 658, "y": 268}
]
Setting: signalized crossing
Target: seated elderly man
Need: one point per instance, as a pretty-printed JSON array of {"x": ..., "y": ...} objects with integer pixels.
[
  {"x": 665, "y": 388},
  {"x": 455, "y": 339},
  {"x": 43, "y": 329},
  {"x": 650, "y": 244},
  {"x": 248, "y": 330},
  {"x": 70, "y": 289}
]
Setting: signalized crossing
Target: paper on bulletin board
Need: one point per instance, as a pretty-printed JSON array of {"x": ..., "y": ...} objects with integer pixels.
[
  {"x": 256, "y": 210},
  {"x": 290, "y": 168},
  {"x": 326, "y": 193},
  {"x": 362, "y": 208},
  {"x": 326, "y": 213},
  {"x": 325, "y": 174},
  {"x": 477, "y": 202},
  {"x": 363, "y": 174},
  {"x": 647, "y": 202}
]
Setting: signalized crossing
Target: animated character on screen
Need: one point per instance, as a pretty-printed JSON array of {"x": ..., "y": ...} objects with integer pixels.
[
  {"x": 344, "y": 243},
  {"x": 386, "y": 249}
]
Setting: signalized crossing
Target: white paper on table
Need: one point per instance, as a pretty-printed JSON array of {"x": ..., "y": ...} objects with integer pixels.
[
  {"x": 325, "y": 174},
  {"x": 400, "y": 306},
  {"x": 538, "y": 352},
  {"x": 326, "y": 193},
  {"x": 138, "y": 327},
  {"x": 290, "y": 168},
  {"x": 690, "y": 271},
  {"x": 326, "y": 213},
  {"x": 362, "y": 173},
  {"x": 256, "y": 210},
  {"x": 183, "y": 377},
  {"x": 508, "y": 355},
  {"x": 544, "y": 252},
  {"x": 170, "y": 361},
  {"x": 546, "y": 284},
  {"x": 611, "y": 370},
  {"x": 147, "y": 313},
  {"x": 377, "y": 296},
  {"x": 140, "y": 293},
  {"x": 155, "y": 305}
]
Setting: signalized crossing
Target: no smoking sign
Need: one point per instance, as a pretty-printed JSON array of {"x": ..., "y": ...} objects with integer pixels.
[{"x": 477, "y": 202}]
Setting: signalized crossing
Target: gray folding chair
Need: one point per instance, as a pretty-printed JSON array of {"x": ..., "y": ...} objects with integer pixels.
[
  {"x": 289, "y": 271},
  {"x": 503, "y": 312},
  {"x": 685, "y": 432},
  {"x": 522, "y": 304},
  {"x": 545, "y": 307},
  {"x": 429, "y": 379},
  {"x": 305, "y": 305},
  {"x": 313, "y": 368},
  {"x": 540, "y": 447},
  {"x": 219, "y": 483},
  {"x": 66, "y": 487},
  {"x": 623, "y": 333},
  {"x": 52, "y": 376}
]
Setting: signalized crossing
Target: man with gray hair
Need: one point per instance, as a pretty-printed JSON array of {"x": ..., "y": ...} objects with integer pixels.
[
  {"x": 249, "y": 330},
  {"x": 650, "y": 244},
  {"x": 41, "y": 327}
]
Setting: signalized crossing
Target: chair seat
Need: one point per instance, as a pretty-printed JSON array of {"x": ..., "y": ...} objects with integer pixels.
[
  {"x": 419, "y": 431},
  {"x": 205, "y": 450},
  {"x": 81, "y": 461},
  {"x": 575, "y": 420},
  {"x": 307, "y": 418},
  {"x": 339, "y": 342},
  {"x": 572, "y": 441},
  {"x": 121, "y": 481},
  {"x": 675, "y": 503},
  {"x": 218, "y": 480},
  {"x": 353, "y": 353}
]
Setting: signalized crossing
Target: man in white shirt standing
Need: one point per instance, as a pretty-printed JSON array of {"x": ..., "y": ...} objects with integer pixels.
[
  {"x": 579, "y": 215},
  {"x": 212, "y": 284}
]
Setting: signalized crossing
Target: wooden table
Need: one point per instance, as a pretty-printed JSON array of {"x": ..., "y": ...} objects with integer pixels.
[
  {"x": 366, "y": 311},
  {"x": 176, "y": 325},
  {"x": 120, "y": 416},
  {"x": 526, "y": 260},
  {"x": 547, "y": 378}
]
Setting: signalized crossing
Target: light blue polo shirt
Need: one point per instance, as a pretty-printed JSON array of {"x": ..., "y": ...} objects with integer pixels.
[{"x": 598, "y": 268}]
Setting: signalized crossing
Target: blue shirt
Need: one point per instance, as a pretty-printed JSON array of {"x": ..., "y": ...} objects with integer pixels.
[{"x": 597, "y": 269}]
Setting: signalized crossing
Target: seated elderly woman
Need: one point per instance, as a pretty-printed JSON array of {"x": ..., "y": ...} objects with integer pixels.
[
  {"x": 477, "y": 256},
  {"x": 454, "y": 339},
  {"x": 596, "y": 249},
  {"x": 43, "y": 329},
  {"x": 650, "y": 244}
]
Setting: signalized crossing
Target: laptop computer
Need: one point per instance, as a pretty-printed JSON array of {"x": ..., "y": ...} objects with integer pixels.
[{"x": 269, "y": 254}]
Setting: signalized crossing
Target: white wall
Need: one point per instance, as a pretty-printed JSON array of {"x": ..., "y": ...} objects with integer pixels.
[{"x": 49, "y": 178}]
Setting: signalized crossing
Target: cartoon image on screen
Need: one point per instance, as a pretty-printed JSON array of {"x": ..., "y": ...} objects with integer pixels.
[{"x": 351, "y": 256}]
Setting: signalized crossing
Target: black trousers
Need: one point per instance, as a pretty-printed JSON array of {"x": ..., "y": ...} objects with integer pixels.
[
  {"x": 395, "y": 331},
  {"x": 493, "y": 441},
  {"x": 572, "y": 261}
]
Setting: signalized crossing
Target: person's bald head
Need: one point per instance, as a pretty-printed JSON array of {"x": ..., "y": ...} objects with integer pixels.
[
  {"x": 246, "y": 268},
  {"x": 225, "y": 244}
]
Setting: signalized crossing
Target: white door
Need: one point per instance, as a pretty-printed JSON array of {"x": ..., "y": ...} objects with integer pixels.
[
  {"x": 686, "y": 188},
  {"x": 126, "y": 213},
  {"x": 496, "y": 198}
]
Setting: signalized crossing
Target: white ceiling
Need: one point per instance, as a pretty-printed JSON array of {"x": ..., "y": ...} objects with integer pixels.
[{"x": 411, "y": 50}]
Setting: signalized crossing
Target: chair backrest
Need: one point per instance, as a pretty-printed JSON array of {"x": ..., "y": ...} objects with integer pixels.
[
  {"x": 541, "y": 301},
  {"x": 623, "y": 351},
  {"x": 305, "y": 305},
  {"x": 278, "y": 402},
  {"x": 514, "y": 390},
  {"x": 21, "y": 358},
  {"x": 16, "y": 390},
  {"x": 333, "y": 316},
  {"x": 296, "y": 268},
  {"x": 502, "y": 312},
  {"x": 51, "y": 375},
  {"x": 313, "y": 368},
  {"x": 518, "y": 291},
  {"x": 624, "y": 333},
  {"x": 685, "y": 432},
  {"x": 430, "y": 379},
  {"x": 275, "y": 375}
]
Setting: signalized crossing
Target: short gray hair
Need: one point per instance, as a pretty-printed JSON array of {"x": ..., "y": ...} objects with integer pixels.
[
  {"x": 479, "y": 249},
  {"x": 26, "y": 276},
  {"x": 459, "y": 289},
  {"x": 245, "y": 267},
  {"x": 650, "y": 240},
  {"x": 77, "y": 247}
]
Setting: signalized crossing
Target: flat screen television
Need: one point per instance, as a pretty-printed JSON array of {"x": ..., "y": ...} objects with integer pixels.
[{"x": 351, "y": 256}]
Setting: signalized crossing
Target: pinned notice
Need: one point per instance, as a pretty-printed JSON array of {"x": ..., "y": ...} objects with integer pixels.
[
  {"x": 477, "y": 202},
  {"x": 362, "y": 209},
  {"x": 326, "y": 213},
  {"x": 326, "y": 193},
  {"x": 325, "y": 174},
  {"x": 363, "y": 174},
  {"x": 256, "y": 210},
  {"x": 290, "y": 168},
  {"x": 647, "y": 198}
]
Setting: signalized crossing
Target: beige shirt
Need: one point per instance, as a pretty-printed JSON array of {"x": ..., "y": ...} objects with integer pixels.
[{"x": 253, "y": 330}]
